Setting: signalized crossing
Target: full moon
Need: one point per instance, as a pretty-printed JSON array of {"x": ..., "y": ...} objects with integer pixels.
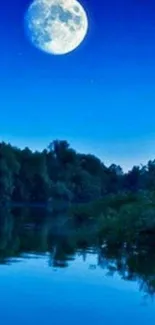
[{"x": 56, "y": 26}]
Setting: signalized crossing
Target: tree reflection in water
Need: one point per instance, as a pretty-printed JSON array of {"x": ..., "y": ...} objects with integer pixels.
[{"x": 36, "y": 231}]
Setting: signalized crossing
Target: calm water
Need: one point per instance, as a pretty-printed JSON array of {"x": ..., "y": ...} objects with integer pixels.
[{"x": 50, "y": 275}]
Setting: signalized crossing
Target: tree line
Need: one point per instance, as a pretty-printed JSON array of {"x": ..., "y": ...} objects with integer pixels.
[{"x": 59, "y": 172}]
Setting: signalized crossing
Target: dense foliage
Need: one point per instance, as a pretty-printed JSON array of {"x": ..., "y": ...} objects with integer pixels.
[
  {"x": 60, "y": 172},
  {"x": 120, "y": 206}
]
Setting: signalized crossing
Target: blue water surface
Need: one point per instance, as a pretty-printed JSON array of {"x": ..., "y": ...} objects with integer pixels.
[{"x": 32, "y": 291}]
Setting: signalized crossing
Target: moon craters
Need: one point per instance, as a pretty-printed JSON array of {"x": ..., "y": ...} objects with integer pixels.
[{"x": 56, "y": 26}]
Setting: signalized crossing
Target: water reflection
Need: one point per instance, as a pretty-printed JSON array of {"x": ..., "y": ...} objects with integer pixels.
[{"x": 35, "y": 232}]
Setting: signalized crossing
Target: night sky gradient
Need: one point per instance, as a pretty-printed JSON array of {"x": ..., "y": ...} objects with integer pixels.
[{"x": 100, "y": 97}]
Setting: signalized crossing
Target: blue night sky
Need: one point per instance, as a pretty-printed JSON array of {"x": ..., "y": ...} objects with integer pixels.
[{"x": 100, "y": 97}]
